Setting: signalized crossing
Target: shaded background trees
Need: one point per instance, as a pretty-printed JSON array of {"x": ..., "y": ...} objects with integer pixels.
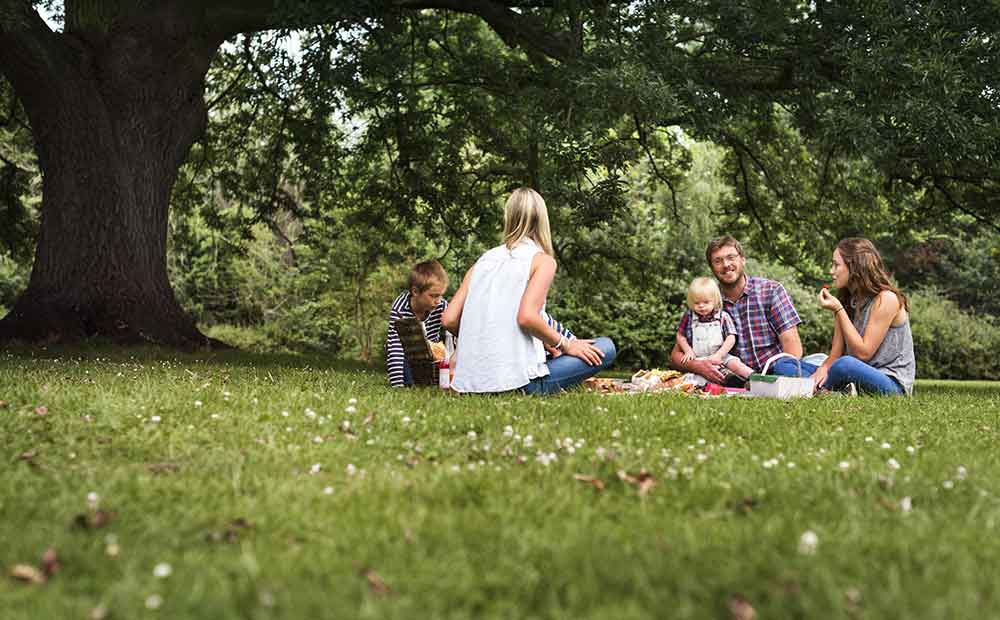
[{"x": 335, "y": 156}]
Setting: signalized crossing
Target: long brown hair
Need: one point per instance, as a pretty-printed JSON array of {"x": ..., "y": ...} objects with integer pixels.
[{"x": 868, "y": 275}]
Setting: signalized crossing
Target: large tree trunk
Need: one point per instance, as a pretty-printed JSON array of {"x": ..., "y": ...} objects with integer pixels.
[{"x": 111, "y": 131}]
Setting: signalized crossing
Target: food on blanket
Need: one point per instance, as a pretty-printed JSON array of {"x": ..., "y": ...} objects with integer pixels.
[
  {"x": 438, "y": 350},
  {"x": 604, "y": 386},
  {"x": 654, "y": 376}
]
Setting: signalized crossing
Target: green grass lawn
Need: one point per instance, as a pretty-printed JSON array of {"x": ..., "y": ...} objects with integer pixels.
[{"x": 291, "y": 487}]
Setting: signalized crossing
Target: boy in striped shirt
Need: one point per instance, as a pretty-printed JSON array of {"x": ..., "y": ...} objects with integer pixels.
[{"x": 425, "y": 301}]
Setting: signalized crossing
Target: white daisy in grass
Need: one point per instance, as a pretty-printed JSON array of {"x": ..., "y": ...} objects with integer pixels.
[
  {"x": 162, "y": 570},
  {"x": 471, "y": 435},
  {"x": 327, "y": 490},
  {"x": 155, "y": 419},
  {"x": 93, "y": 499},
  {"x": 154, "y": 601},
  {"x": 406, "y": 419},
  {"x": 886, "y": 445},
  {"x": 351, "y": 469},
  {"x": 961, "y": 473},
  {"x": 893, "y": 464},
  {"x": 315, "y": 469},
  {"x": 948, "y": 485},
  {"x": 198, "y": 403},
  {"x": 844, "y": 465},
  {"x": 528, "y": 441},
  {"x": 906, "y": 504},
  {"x": 345, "y": 425},
  {"x": 285, "y": 414},
  {"x": 808, "y": 543},
  {"x": 350, "y": 409},
  {"x": 508, "y": 431},
  {"x": 317, "y": 439},
  {"x": 869, "y": 439},
  {"x": 310, "y": 413},
  {"x": 352, "y": 401},
  {"x": 910, "y": 450}
]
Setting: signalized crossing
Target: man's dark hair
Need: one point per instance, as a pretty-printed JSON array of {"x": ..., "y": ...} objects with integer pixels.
[{"x": 720, "y": 242}]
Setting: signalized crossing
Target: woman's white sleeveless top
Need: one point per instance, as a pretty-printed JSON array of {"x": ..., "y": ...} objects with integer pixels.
[{"x": 494, "y": 353}]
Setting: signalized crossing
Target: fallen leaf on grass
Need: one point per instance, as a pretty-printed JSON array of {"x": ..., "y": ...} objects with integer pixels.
[
  {"x": 369, "y": 419},
  {"x": 888, "y": 504},
  {"x": 94, "y": 520},
  {"x": 741, "y": 609},
  {"x": 38, "y": 575},
  {"x": 103, "y": 439},
  {"x": 162, "y": 468},
  {"x": 643, "y": 480},
  {"x": 27, "y": 572},
  {"x": 4, "y": 404},
  {"x": 50, "y": 562},
  {"x": 745, "y": 506},
  {"x": 595, "y": 482},
  {"x": 231, "y": 533},
  {"x": 375, "y": 583},
  {"x": 98, "y": 613},
  {"x": 41, "y": 410}
]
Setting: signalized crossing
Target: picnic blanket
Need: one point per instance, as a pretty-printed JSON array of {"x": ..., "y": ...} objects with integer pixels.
[{"x": 655, "y": 380}]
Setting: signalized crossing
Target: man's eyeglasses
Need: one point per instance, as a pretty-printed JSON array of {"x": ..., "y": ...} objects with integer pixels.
[{"x": 719, "y": 261}]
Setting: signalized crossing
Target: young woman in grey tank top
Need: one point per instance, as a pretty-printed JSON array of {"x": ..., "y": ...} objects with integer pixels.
[{"x": 872, "y": 342}]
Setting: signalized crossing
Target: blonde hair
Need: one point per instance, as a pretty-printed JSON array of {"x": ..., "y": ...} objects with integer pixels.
[
  {"x": 525, "y": 215},
  {"x": 704, "y": 287}
]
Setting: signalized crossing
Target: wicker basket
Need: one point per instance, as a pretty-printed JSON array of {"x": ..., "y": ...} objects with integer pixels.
[
  {"x": 417, "y": 351},
  {"x": 424, "y": 372}
]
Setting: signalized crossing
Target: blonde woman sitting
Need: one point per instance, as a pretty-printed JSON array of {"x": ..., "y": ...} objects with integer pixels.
[{"x": 498, "y": 314}]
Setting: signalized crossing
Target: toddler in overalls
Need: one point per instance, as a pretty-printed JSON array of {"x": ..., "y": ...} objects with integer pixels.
[{"x": 706, "y": 331}]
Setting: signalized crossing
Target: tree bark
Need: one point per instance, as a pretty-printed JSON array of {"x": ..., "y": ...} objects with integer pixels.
[{"x": 113, "y": 115}]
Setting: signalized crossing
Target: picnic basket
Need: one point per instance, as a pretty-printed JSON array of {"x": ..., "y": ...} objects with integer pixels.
[
  {"x": 417, "y": 351},
  {"x": 772, "y": 386}
]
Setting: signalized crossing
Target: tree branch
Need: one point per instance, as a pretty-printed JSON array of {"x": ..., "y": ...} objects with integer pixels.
[
  {"x": 26, "y": 43},
  {"x": 516, "y": 29}
]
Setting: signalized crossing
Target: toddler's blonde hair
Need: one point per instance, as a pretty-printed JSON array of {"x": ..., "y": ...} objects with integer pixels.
[{"x": 704, "y": 287}]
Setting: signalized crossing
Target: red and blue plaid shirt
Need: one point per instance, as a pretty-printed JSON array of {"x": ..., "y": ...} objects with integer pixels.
[{"x": 763, "y": 311}]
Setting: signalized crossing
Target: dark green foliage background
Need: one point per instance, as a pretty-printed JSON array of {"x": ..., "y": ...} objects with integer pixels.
[{"x": 335, "y": 157}]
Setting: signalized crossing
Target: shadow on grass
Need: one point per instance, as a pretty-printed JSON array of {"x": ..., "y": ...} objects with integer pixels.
[{"x": 102, "y": 352}]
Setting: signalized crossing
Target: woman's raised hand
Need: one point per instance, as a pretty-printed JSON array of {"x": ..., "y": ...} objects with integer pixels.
[
  {"x": 828, "y": 301},
  {"x": 584, "y": 349}
]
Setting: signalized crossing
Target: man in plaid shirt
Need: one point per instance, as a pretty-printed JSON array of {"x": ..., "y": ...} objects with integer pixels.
[{"x": 766, "y": 320}]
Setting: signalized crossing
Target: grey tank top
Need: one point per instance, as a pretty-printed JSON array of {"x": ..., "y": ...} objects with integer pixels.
[{"x": 894, "y": 356}]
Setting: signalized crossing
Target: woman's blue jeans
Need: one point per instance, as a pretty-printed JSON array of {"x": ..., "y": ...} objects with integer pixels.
[
  {"x": 849, "y": 369},
  {"x": 566, "y": 371}
]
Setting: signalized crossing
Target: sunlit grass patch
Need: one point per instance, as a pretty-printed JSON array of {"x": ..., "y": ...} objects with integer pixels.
[{"x": 226, "y": 485}]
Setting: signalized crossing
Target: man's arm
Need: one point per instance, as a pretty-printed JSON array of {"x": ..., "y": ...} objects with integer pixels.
[{"x": 790, "y": 342}]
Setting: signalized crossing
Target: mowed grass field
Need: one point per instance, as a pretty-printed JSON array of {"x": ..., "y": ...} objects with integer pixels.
[{"x": 239, "y": 486}]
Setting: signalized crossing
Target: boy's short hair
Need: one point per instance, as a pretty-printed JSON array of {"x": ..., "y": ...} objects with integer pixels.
[
  {"x": 720, "y": 242},
  {"x": 426, "y": 274},
  {"x": 707, "y": 287}
]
